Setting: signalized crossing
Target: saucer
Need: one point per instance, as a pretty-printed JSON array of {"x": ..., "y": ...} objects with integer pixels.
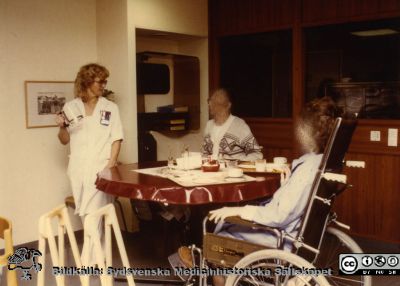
[{"x": 234, "y": 179}]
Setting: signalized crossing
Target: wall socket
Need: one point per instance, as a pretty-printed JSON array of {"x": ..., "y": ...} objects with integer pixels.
[
  {"x": 392, "y": 137},
  {"x": 375, "y": 136}
]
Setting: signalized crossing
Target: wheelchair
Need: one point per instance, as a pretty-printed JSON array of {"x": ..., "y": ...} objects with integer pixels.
[{"x": 316, "y": 246}]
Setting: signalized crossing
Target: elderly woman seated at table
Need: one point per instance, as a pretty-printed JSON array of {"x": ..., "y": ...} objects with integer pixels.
[
  {"x": 288, "y": 204},
  {"x": 227, "y": 134}
]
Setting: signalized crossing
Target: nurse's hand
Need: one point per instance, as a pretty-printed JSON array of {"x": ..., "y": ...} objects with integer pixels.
[
  {"x": 221, "y": 214},
  {"x": 110, "y": 164},
  {"x": 63, "y": 134},
  {"x": 60, "y": 121}
]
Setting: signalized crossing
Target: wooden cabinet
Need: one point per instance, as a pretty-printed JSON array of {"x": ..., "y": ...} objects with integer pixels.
[
  {"x": 170, "y": 123},
  {"x": 183, "y": 78},
  {"x": 158, "y": 121}
]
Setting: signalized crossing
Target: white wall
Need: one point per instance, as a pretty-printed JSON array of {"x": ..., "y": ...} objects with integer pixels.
[
  {"x": 116, "y": 46},
  {"x": 50, "y": 40},
  {"x": 188, "y": 17},
  {"x": 41, "y": 40}
]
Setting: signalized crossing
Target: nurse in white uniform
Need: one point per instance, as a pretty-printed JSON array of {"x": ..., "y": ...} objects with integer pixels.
[{"x": 92, "y": 126}]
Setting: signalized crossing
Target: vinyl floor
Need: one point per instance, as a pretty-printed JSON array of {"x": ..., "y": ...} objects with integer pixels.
[{"x": 150, "y": 248}]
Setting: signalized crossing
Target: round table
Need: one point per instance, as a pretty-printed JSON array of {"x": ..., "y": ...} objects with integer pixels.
[{"x": 123, "y": 181}]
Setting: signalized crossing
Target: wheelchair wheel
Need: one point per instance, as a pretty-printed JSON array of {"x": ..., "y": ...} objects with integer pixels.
[
  {"x": 267, "y": 268},
  {"x": 336, "y": 242}
]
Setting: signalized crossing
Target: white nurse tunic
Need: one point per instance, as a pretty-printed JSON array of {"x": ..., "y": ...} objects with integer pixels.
[{"x": 90, "y": 147}]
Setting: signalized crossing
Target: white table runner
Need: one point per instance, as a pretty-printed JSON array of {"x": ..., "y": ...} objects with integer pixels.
[{"x": 193, "y": 178}]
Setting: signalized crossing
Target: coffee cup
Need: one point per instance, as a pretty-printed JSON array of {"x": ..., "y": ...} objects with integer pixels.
[
  {"x": 72, "y": 115},
  {"x": 260, "y": 165},
  {"x": 235, "y": 172}
]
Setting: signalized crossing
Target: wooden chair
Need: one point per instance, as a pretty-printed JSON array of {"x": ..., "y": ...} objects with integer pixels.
[
  {"x": 104, "y": 256},
  {"x": 57, "y": 252},
  {"x": 6, "y": 235}
]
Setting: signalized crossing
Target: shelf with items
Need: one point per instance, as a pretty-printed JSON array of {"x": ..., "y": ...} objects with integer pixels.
[{"x": 158, "y": 121}]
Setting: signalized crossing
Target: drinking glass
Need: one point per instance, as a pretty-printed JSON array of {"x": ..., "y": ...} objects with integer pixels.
[
  {"x": 170, "y": 162},
  {"x": 260, "y": 165},
  {"x": 280, "y": 160},
  {"x": 231, "y": 163}
]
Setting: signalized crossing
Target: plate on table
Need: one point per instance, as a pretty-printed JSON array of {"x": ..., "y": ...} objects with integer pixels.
[
  {"x": 247, "y": 167},
  {"x": 269, "y": 168},
  {"x": 276, "y": 168},
  {"x": 234, "y": 179}
]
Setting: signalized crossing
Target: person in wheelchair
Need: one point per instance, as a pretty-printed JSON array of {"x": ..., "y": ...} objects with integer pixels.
[{"x": 285, "y": 209}]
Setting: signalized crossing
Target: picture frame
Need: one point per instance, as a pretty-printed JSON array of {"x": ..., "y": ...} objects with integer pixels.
[{"x": 44, "y": 100}]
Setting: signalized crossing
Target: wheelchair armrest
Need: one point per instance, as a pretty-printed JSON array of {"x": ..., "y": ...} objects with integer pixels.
[
  {"x": 238, "y": 220},
  {"x": 250, "y": 224}
]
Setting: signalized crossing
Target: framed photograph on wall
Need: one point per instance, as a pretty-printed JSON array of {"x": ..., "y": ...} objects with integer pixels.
[{"x": 45, "y": 99}]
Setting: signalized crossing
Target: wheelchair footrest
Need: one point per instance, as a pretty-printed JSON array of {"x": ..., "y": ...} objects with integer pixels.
[{"x": 176, "y": 263}]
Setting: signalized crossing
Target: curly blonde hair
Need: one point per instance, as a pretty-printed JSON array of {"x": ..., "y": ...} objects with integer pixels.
[{"x": 87, "y": 75}]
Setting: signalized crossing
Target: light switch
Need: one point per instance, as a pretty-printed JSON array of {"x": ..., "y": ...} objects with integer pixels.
[
  {"x": 375, "y": 136},
  {"x": 392, "y": 137}
]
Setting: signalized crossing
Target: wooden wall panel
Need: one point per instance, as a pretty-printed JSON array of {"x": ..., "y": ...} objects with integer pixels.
[
  {"x": 187, "y": 87},
  {"x": 298, "y": 72},
  {"x": 232, "y": 17},
  {"x": 275, "y": 135},
  {"x": 318, "y": 10},
  {"x": 361, "y": 140},
  {"x": 333, "y": 11},
  {"x": 371, "y": 206}
]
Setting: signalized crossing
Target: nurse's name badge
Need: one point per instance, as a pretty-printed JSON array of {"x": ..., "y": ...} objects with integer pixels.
[{"x": 105, "y": 117}]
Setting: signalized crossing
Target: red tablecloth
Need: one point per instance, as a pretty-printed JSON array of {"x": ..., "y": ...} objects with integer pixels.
[{"x": 122, "y": 181}]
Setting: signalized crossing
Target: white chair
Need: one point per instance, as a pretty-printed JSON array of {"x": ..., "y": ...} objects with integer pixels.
[
  {"x": 60, "y": 215},
  {"x": 104, "y": 256},
  {"x": 6, "y": 235},
  {"x": 125, "y": 212}
]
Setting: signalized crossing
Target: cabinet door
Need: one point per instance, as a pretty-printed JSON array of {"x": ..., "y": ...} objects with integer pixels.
[{"x": 187, "y": 87}]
